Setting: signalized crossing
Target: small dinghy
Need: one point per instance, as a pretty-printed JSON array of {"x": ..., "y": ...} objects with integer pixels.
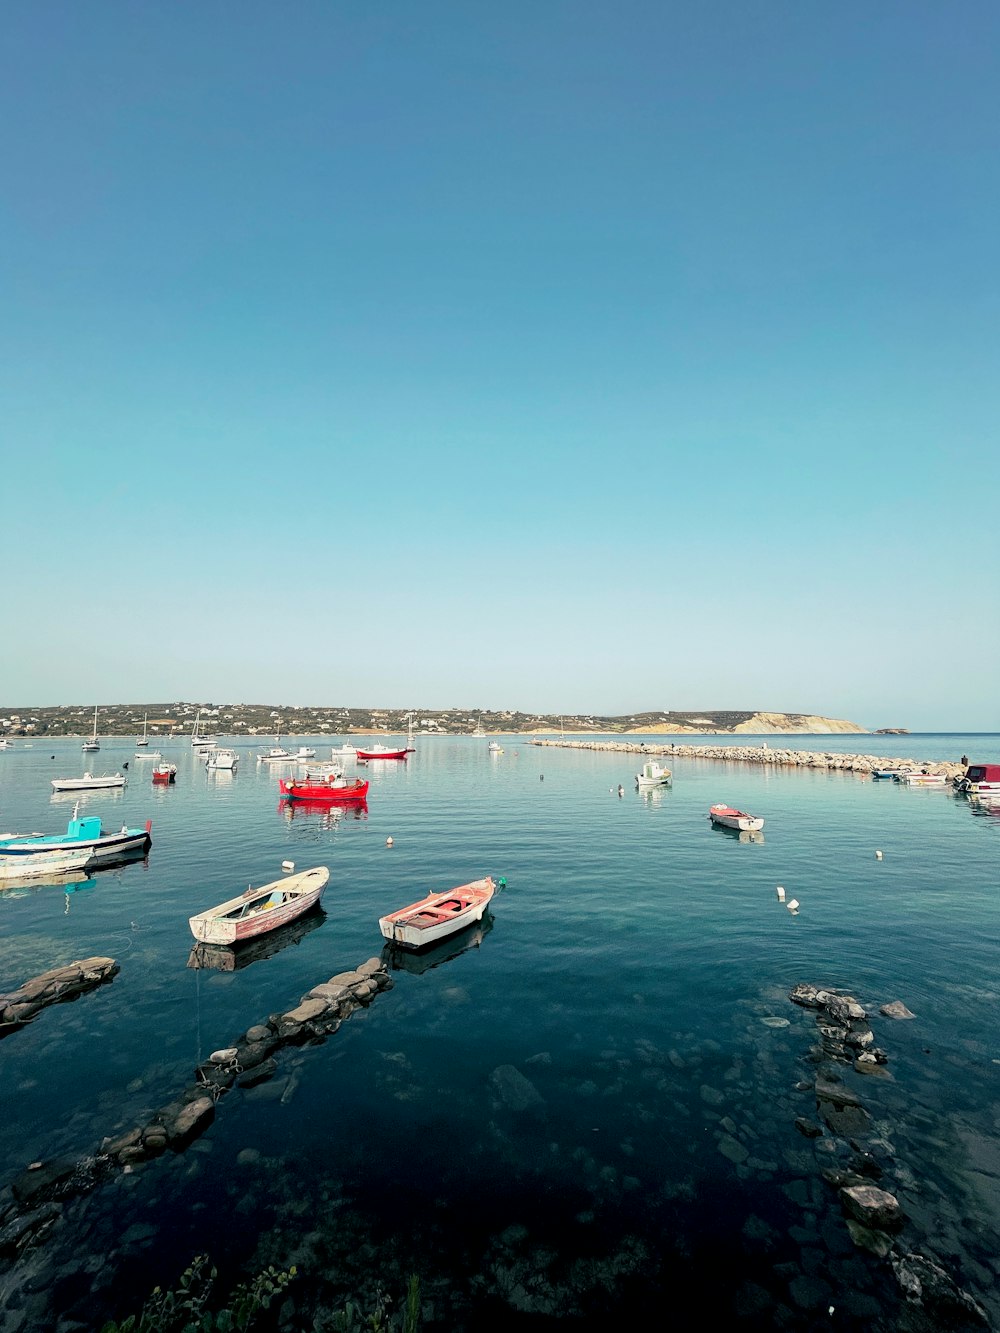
[
  {"x": 737, "y": 819},
  {"x": 257, "y": 911},
  {"x": 439, "y": 914}
]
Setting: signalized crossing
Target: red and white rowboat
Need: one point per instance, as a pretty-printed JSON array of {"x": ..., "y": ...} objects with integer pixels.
[
  {"x": 737, "y": 819},
  {"x": 381, "y": 752},
  {"x": 438, "y": 915}
]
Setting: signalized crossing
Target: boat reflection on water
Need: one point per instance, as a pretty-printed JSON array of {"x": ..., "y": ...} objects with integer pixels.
[
  {"x": 327, "y": 815},
  {"x": 739, "y": 835},
  {"x": 70, "y": 881},
  {"x": 226, "y": 958},
  {"x": 406, "y": 960}
]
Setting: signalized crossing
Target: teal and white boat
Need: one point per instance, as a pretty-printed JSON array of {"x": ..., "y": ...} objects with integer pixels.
[{"x": 84, "y": 843}]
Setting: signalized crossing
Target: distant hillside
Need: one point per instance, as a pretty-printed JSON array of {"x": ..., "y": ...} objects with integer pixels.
[
  {"x": 163, "y": 720},
  {"x": 755, "y": 724}
]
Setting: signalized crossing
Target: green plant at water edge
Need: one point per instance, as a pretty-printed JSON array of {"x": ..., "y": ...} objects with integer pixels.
[
  {"x": 185, "y": 1310},
  {"x": 352, "y": 1319}
]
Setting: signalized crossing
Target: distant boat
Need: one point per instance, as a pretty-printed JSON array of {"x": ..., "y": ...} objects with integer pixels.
[
  {"x": 735, "y": 819},
  {"x": 495, "y": 747},
  {"x": 277, "y": 753},
  {"x": 304, "y": 752},
  {"x": 653, "y": 774},
  {"x": 89, "y": 782},
  {"x": 922, "y": 779},
  {"x": 257, "y": 911},
  {"x": 334, "y": 789},
  {"x": 201, "y": 742},
  {"x": 22, "y": 853},
  {"x": 5, "y": 744},
  {"x": 439, "y": 914},
  {"x": 143, "y": 740},
  {"x": 379, "y": 751},
  {"x": 149, "y": 754},
  {"x": 222, "y": 760},
  {"x": 92, "y": 743}
]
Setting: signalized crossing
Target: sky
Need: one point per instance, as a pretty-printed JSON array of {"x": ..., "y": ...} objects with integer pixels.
[{"x": 556, "y": 355}]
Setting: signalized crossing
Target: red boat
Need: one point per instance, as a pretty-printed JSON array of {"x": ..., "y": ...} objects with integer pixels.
[
  {"x": 165, "y": 773},
  {"x": 380, "y": 752},
  {"x": 331, "y": 790}
]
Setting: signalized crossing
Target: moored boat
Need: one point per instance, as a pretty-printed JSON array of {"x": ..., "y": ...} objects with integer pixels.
[
  {"x": 653, "y": 774},
  {"x": 222, "y": 759},
  {"x": 728, "y": 817},
  {"x": 89, "y": 782},
  {"x": 334, "y": 788},
  {"x": 439, "y": 914},
  {"x": 257, "y": 911},
  {"x": 922, "y": 778},
  {"x": 30, "y": 853},
  {"x": 164, "y": 774},
  {"x": 379, "y": 751},
  {"x": 980, "y": 780},
  {"x": 92, "y": 743}
]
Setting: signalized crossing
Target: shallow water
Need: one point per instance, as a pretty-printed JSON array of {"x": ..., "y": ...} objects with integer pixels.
[{"x": 635, "y": 972}]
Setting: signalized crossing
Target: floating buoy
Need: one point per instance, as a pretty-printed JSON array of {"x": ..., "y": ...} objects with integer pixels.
[
  {"x": 781, "y": 894},
  {"x": 288, "y": 866},
  {"x": 388, "y": 842},
  {"x": 878, "y": 856},
  {"x": 793, "y": 905}
]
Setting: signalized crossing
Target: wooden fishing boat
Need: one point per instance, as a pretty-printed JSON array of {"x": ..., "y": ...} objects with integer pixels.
[
  {"x": 439, "y": 914},
  {"x": 653, "y": 774},
  {"x": 84, "y": 843},
  {"x": 727, "y": 817},
  {"x": 164, "y": 774},
  {"x": 334, "y": 789},
  {"x": 257, "y": 911}
]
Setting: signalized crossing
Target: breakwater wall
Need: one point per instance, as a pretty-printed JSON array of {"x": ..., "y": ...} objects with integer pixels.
[{"x": 773, "y": 757}]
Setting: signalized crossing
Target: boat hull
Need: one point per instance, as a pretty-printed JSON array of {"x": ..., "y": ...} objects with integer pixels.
[
  {"x": 88, "y": 783},
  {"x": 85, "y": 844},
  {"x": 259, "y": 911},
  {"x": 327, "y": 793},
  {"x": 367, "y": 755},
  {"x": 726, "y": 817},
  {"x": 438, "y": 915}
]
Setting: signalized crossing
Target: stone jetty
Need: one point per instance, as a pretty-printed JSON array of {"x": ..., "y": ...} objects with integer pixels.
[
  {"x": 857, "y": 1160},
  {"x": 762, "y": 754},
  {"x": 35, "y": 1199},
  {"x": 18, "y": 1007}
]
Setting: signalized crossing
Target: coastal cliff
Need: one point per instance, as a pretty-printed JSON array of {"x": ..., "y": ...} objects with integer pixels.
[{"x": 753, "y": 724}]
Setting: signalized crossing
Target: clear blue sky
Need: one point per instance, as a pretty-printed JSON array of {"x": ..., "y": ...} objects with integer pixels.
[{"x": 571, "y": 356}]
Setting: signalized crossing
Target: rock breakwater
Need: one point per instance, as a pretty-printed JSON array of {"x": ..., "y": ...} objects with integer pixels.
[{"x": 865, "y": 764}]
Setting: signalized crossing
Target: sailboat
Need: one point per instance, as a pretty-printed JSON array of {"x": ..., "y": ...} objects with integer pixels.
[
  {"x": 143, "y": 740},
  {"x": 93, "y": 743},
  {"x": 201, "y": 742}
]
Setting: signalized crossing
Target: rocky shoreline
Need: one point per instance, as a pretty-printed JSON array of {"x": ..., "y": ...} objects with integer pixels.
[{"x": 865, "y": 764}]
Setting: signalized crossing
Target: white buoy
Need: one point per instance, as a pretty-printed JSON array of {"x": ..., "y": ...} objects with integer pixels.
[
  {"x": 288, "y": 866},
  {"x": 388, "y": 842},
  {"x": 793, "y": 904},
  {"x": 878, "y": 856},
  {"x": 781, "y": 894}
]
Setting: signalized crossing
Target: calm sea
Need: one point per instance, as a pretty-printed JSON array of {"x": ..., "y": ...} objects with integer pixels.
[{"x": 585, "y": 1113}]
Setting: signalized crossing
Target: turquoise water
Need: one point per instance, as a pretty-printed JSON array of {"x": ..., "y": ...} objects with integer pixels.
[{"x": 626, "y": 975}]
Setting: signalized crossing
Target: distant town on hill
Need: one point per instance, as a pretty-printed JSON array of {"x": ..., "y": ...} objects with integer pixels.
[{"x": 228, "y": 719}]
